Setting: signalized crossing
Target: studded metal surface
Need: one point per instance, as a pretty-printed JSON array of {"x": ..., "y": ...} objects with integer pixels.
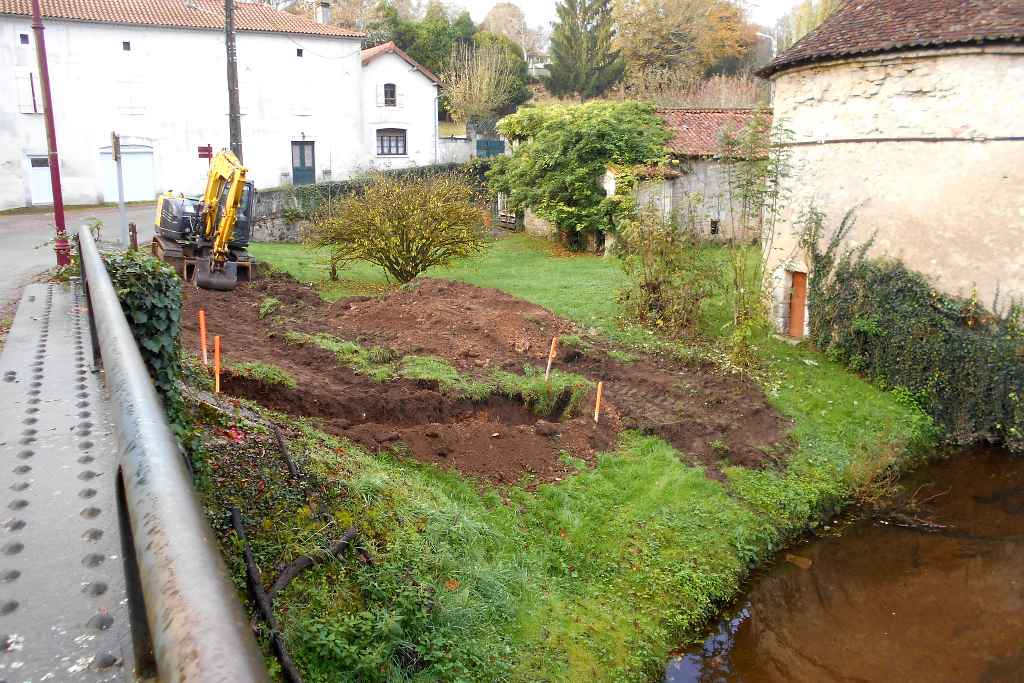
[{"x": 63, "y": 606}]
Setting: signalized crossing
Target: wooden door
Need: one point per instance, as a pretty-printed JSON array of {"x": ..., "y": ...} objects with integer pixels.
[
  {"x": 797, "y": 304},
  {"x": 303, "y": 163}
]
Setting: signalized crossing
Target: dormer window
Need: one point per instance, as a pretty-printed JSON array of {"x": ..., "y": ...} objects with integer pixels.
[{"x": 390, "y": 95}]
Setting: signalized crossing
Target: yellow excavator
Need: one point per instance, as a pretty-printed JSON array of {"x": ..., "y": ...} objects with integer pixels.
[{"x": 205, "y": 238}]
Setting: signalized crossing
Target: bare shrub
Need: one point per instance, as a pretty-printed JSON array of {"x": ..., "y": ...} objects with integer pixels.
[
  {"x": 676, "y": 89},
  {"x": 672, "y": 273},
  {"x": 402, "y": 224},
  {"x": 479, "y": 82}
]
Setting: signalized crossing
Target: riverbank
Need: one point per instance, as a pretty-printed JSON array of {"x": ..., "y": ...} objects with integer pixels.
[
  {"x": 927, "y": 588},
  {"x": 598, "y": 573}
]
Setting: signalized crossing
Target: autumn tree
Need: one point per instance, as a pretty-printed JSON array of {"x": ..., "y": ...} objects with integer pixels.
[
  {"x": 801, "y": 20},
  {"x": 507, "y": 19},
  {"x": 683, "y": 36},
  {"x": 584, "y": 59}
]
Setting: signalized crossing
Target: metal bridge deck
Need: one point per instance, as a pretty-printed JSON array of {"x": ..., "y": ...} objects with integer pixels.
[{"x": 64, "y": 612}]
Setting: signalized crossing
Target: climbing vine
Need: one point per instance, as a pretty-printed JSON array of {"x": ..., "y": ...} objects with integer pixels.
[
  {"x": 150, "y": 294},
  {"x": 959, "y": 361}
]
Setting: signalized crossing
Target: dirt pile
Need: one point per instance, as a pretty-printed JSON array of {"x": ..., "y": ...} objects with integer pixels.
[{"x": 712, "y": 419}]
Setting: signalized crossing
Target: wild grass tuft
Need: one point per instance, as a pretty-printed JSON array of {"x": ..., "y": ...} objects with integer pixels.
[
  {"x": 559, "y": 396},
  {"x": 266, "y": 373},
  {"x": 268, "y": 306}
]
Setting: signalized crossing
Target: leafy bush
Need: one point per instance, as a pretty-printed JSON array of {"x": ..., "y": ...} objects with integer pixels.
[
  {"x": 563, "y": 152},
  {"x": 402, "y": 224},
  {"x": 263, "y": 372},
  {"x": 150, "y": 294},
  {"x": 959, "y": 362},
  {"x": 308, "y": 198},
  {"x": 671, "y": 273}
]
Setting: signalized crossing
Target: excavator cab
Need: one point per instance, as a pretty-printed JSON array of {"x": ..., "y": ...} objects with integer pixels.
[{"x": 205, "y": 238}]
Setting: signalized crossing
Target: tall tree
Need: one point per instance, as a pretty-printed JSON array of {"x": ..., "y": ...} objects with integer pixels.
[
  {"x": 801, "y": 20},
  {"x": 682, "y": 36},
  {"x": 584, "y": 60}
]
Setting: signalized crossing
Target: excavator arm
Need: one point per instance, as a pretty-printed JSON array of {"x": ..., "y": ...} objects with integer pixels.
[{"x": 225, "y": 185}]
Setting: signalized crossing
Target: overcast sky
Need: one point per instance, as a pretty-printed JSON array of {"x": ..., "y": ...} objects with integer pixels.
[{"x": 542, "y": 12}]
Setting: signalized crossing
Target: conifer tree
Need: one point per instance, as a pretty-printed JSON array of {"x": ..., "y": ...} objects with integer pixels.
[{"x": 584, "y": 60}]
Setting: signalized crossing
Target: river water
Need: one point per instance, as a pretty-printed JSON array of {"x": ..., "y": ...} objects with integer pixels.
[{"x": 929, "y": 591}]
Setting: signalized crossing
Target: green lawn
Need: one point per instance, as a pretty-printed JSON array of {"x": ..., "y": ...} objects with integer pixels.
[{"x": 594, "y": 578}]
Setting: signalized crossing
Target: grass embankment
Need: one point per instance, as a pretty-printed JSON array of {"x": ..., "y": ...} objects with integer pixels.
[{"x": 596, "y": 577}]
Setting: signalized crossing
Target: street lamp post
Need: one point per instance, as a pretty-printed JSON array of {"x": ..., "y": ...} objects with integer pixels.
[{"x": 62, "y": 247}]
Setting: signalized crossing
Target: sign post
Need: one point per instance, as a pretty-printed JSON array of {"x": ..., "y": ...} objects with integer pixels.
[
  {"x": 115, "y": 154},
  {"x": 206, "y": 152}
]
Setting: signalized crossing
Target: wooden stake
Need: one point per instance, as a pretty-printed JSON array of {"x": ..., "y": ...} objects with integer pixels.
[
  {"x": 202, "y": 337},
  {"x": 597, "y": 403},
  {"x": 216, "y": 364},
  {"x": 551, "y": 356}
]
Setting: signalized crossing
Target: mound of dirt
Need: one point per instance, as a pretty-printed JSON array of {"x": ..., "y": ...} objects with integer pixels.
[{"x": 712, "y": 419}]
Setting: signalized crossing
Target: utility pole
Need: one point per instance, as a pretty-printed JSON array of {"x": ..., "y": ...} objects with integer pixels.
[
  {"x": 62, "y": 247},
  {"x": 234, "y": 115}
]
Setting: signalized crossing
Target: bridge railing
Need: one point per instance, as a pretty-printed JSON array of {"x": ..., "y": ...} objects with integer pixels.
[{"x": 196, "y": 625}]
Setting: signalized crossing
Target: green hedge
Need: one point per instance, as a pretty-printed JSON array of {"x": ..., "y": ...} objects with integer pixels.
[
  {"x": 961, "y": 363},
  {"x": 309, "y": 197},
  {"x": 150, "y": 295}
]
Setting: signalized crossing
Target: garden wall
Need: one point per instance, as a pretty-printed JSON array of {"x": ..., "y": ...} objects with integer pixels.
[{"x": 280, "y": 212}]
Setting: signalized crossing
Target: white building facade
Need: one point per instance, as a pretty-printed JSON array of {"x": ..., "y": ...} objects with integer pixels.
[
  {"x": 400, "y": 100},
  {"x": 156, "y": 76}
]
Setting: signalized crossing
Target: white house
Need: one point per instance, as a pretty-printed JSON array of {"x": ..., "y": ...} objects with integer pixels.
[
  {"x": 154, "y": 72},
  {"x": 400, "y": 100}
]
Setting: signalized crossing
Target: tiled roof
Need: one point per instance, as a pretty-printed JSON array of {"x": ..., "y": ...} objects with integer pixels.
[
  {"x": 698, "y": 132},
  {"x": 862, "y": 27},
  {"x": 389, "y": 48},
  {"x": 197, "y": 14}
]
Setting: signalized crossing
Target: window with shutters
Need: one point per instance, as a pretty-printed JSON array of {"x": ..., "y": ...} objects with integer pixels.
[
  {"x": 390, "y": 95},
  {"x": 391, "y": 142}
]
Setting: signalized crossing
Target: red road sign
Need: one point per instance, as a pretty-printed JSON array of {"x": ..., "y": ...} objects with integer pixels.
[{"x": 205, "y": 151}]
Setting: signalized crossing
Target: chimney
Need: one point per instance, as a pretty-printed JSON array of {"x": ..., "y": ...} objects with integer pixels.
[{"x": 322, "y": 13}]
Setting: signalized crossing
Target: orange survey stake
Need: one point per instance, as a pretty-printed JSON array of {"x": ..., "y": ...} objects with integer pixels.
[
  {"x": 202, "y": 337},
  {"x": 597, "y": 403},
  {"x": 216, "y": 364},
  {"x": 551, "y": 356}
]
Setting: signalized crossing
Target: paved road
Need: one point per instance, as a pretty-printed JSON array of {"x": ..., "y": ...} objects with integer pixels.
[{"x": 25, "y": 254}]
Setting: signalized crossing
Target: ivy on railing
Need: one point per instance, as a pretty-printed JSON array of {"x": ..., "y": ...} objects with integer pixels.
[{"x": 150, "y": 294}]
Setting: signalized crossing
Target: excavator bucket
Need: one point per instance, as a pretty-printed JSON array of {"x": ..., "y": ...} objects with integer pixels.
[{"x": 221, "y": 280}]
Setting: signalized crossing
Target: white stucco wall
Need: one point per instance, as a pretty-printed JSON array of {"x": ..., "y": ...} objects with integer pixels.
[
  {"x": 168, "y": 93},
  {"x": 917, "y": 140},
  {"x": 415, "y": 112}
]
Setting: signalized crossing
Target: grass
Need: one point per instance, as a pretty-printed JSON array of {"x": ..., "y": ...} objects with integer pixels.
[
  {"x": 596, "y": 577},
  {"x": 263, "y": 372},
  {"x": 560, "y": 395}
]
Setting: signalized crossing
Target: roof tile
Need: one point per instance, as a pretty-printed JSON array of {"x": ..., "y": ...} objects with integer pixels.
[
  {"x": 698, "y": 132},
  {"x": 862, "y": 27},
  {"x": 389, "y": 47},
  {"x": 195, "y": 14}
]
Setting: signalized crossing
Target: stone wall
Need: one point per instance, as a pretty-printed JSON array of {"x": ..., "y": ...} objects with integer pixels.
[
  {"x": 269, "y": 223},
  {"x": 454, "y": 150},
  {"x": 537, "y": 226},
  {"x": 928, "y": 146}
]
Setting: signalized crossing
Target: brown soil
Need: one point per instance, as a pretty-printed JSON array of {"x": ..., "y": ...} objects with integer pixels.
[{"x": 712, "y": 419}]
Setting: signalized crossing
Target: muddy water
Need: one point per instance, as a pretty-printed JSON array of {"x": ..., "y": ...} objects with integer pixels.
[{"x": 929, "y": 592}]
